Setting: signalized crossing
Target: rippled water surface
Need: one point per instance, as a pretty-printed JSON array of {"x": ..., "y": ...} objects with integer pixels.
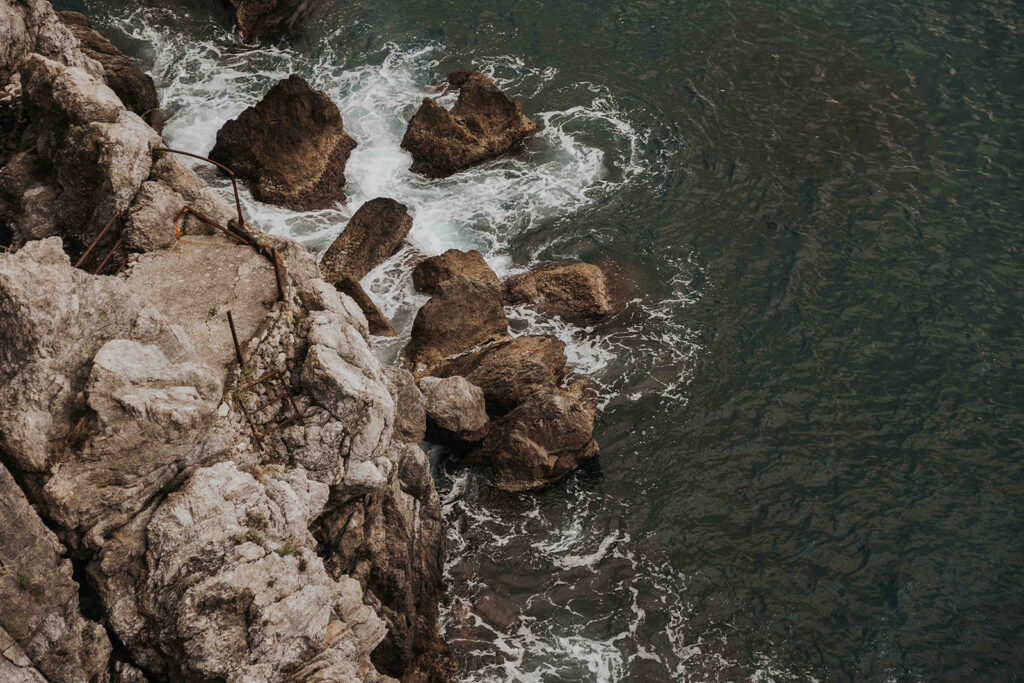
[{"x": 811, "y": 441}]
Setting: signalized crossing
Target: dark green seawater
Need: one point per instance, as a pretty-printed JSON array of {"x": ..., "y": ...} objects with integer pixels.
[{"x": 811, "y": 440}]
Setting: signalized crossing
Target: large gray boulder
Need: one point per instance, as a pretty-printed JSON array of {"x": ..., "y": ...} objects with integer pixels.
[{"x": 456, "y": 412}]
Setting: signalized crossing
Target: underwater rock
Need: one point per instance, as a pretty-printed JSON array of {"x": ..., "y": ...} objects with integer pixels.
[
  {"x": 292, "y": 147},
  {"x": 483, "y": 124}
]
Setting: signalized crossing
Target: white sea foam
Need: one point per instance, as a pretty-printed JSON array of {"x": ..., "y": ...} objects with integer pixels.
[{"x": 560, "y": 174}]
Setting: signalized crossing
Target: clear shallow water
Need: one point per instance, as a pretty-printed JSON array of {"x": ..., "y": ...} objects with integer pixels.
[{"x": 811, "y": 440}]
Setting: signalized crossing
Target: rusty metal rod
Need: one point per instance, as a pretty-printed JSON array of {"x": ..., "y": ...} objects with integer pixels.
[
  {"x": 234, "y": 182},
  {"x": 275, "y": 259},
  {"x": 264, "y": 378},
  {"x": 96, "y": 241},
  {"x": 217, "y": 225},
  {"x": 234, "y": 338},
  {"x": 109, "y": 254},
  {"x": 252, "y": 427},
  {"x": 5, "y": 247}
]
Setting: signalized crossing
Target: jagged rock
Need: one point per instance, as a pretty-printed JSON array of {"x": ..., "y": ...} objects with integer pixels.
[
  {"x": 431, "y": 272},
  {"x": 134, "y": 86},
  {"x": 577, "y": 292},
  {"x": 461, "y": 315},
  {"x": 89, "y": 158},
  {"x": 28, "y": 26},
  {"x": 410, "y": 410},
  {"x": 485, "y": 123},
  {"x": 94, "y": 426},
  {"x": 456, "y": 412},
  {"x": 39, "y": 608},
  {"x": 382, "y": 540},
  {"x": 292, "y": 146},
  {"x": 495, "y": 610},
  {"x": 511, "y": 371},
  {"x": 149, "y": 222},
  {"x": 255, "y": 604},
  {"x": 379, "y": 324},
  {"x": 547, "y": 436},
  {"x": 170, "y": 172},
  {"x": 375, "y": 232},
  {"x": 256, "y": 18}
]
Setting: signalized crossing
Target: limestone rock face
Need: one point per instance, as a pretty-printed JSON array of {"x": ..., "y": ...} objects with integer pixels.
[
  {"x": 410, "y": 409},
  {"x": 510, "y": 372},
  {"x": 375, "y": 232},
  {"x": 89, "y": 158},
  {"x": 134, "y": 86},
  {"x": 485, "y": 123},
  {"x": 577, "y": 292},
  {"x": 379, "y": 324},
  {"x": 31, "y": 26},
  {"x": 456, "y": 412},
  {"x": 291, "y": 145},
  {"x": 256, "y": 603},
  {"x": 461, "y": 315},
  {"x": 546, "y": 437},
  {"x": 431, "y": 272},
  {"x": 256, "y": 18},
  {"x": 103, "y": 401},
  {"x": 39, "y": 602}
]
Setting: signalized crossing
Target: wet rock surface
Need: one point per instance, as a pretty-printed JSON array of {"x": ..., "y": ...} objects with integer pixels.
[
  {"x": 270, "y": 18},
  {"x": 461, "y": 315},
  {"x": 577, "y": 292},
  {"x": 374, "y": 233},
  {"x": 134, "y": 86},
  {"x": 291, "y": 146},
  {"x": 431, "y": 272},
  {"x": 545, "y": 438},
  {"x": 484, "y": 123},
  {"x": 511, "y": 371}
]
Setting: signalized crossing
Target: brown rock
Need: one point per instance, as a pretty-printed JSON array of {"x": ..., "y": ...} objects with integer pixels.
[
  {"x": 485, "y": 123},
  {"x": 256, "y": 18},
  {"x": 510, "y": 372},
  {"x": 548, "y": 436},
  {"x": 431, "y": 272},
  {"x": 461, "y": 315},
  {"x": 134, "y": 86},
  {"x": 378, "y": 323},
  {"x": 292, "y": 146},
  {"x": 410, "y": 408},
  {"x": 374, "y": 233},
  {"x": 496, "y": 610},
  {"x": 577, "y": 292},
  {"x": 456, "y": 412}
]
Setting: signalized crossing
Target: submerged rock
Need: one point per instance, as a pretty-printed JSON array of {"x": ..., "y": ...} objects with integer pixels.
[
  {"x": 483, "y": 124},
  {"x": 257, "y": 18},
  {"x": 291, "y": 145},
  {"x": 379, "y": 324},
  {"x": 546, "y": 437},
  {"x": 374, "y": 233},
  {"x": 456, "y": 412},
  {"x": 431, "y": 272},
  {"x": 577, "y": 292},
  {"x": 461, "y": 315},
  {"x": 134, "y": 86},
  {"x": 511, "y": 371}
]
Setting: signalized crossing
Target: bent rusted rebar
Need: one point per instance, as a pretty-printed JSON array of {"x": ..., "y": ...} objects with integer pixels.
[
  {"x": 110, "y": 253},
  {"x": 5, "y": 247},
  {"x": 234, "y": 338},
  {"x": 234, "y": 182},
  {"x": 96, "y": 241},
  {"x": 206, "y": 219}
]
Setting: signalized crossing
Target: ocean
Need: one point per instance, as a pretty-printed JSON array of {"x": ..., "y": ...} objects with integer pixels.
[{"x": 812, "y": 426}]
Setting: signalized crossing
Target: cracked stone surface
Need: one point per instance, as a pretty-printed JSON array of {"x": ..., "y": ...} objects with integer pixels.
[{"x": 198, "y": 280}]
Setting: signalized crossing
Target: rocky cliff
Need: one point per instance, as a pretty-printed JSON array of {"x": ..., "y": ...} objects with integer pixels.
[{"x": 182, "y": 498}]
